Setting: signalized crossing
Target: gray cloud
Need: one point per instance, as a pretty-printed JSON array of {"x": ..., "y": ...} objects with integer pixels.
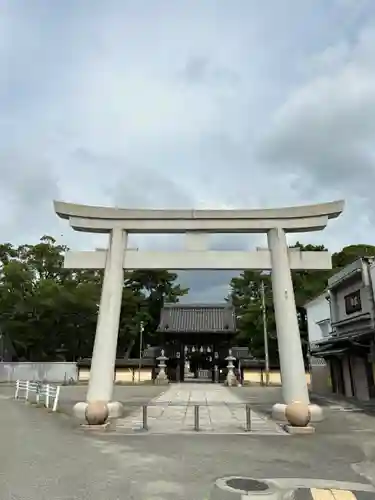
[
  {"x": 101, "y": 105},
  {"x": 330, "y": 116},
  {"x": 201, "y": 70},
  {"x": 28, "y": 185},
  {"x": 207, "y": 286},
  {"x": 322, "y": 134}
]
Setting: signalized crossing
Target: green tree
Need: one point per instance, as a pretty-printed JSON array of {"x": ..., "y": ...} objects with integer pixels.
[
  {"x": 245, "y": 294},
  {"x": 16, "y": 288},
  {"x": 246, "y": 297},
  {"x": 133, "y": 314},
  {"x": 47, "y": 311},
  {"x": 152, "y": 290},
  {"x": 350, "y": 253},
  {"x": 50, "y": 312}
]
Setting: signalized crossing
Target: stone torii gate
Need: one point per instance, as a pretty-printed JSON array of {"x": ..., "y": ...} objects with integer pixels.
[{"x": 197, "y": 225}]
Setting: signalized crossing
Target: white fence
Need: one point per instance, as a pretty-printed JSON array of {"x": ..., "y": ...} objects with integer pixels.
[
  {"x": 57, "y": 372},
  {"x": 47, "y": 394}
]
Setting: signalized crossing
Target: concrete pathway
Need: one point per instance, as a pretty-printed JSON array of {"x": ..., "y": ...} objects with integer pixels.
[
  {"x": 46, "y": 456},
  {"x": 220, "y": 411}
]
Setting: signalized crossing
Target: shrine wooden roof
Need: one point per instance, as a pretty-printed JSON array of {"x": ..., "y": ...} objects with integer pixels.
[{"x": 197, "y": 318}]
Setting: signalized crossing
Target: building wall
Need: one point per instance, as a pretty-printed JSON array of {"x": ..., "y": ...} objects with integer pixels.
[
  {"x": 122, "y": 375},
  {"x": 371, "y": 272},
  {"x": 318, "y": 328},
  {"x": 130, "y": 375},
  {"x": 347, "y": 378},
  {"x": 256, "y": 376},
  {"x": 366, "y": 299},
  {"x": 357, "y": 276},
  {"x": 133, "y": 375},
  {"x": 348, "y": 279},
  {"x": 360, "y": 378},
  {"x": 318, "y": 318},
  {"x": 58, "y": 372},
  {"x": 350, "y": 377},
  {"x": 320, "y": 376},
  {"x": 354, "y": 277}
]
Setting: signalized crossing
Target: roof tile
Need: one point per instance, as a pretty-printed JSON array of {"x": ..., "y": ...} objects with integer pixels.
[{"x": 197, "y": 318}]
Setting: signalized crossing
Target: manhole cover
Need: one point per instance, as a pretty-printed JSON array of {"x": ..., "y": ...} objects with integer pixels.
[{"x": 244, "y": 484}]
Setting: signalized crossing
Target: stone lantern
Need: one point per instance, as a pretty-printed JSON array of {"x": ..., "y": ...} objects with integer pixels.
[
  {"x": 231, "y": 377},
  {"x": 162, "y": 376}
]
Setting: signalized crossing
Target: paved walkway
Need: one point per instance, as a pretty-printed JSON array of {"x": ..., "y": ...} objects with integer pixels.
[{"x": 220, "y": 411}]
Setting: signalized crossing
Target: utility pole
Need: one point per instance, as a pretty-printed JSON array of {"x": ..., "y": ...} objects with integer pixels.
[
  {"x": 265, "y": 332},
  {"x": 141, "y": 329}
]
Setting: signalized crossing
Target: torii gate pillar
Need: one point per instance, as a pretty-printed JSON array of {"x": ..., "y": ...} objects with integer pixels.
[
  {"x": 292, "y": 366},
  {"x": 278, "y": 258}
]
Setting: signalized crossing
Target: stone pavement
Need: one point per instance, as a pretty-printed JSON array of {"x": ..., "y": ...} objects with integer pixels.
[{"x": 220, "y": 411}]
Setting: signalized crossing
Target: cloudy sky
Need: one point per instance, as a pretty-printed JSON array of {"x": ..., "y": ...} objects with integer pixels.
[{"x": 186, "y": 103}]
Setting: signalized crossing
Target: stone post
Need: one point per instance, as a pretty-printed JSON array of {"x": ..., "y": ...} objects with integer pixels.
[
  {"x": 292, "y": 368},
  {"x": 105, "y": 346},
  {"x": 216, "y": 367},
  {"x": 216, "y": 374}
]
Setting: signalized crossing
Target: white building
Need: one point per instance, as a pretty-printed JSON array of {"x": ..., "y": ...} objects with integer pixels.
[
  {"x": 319, "y": 328},
  {"x": 318, "y": 318}
]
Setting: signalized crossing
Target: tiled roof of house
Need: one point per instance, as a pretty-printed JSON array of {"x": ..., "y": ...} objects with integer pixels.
[{"x": 192, "y": 318}]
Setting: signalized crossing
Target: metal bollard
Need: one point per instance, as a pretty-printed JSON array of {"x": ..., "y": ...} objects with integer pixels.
[
  {"x": 144, "y": 418},
  {"x": 38, "y": 386},
  {"x": 196, "y": 418},
  {"x": 248, "y": 418},
  {"x": 47, "y": 396}
]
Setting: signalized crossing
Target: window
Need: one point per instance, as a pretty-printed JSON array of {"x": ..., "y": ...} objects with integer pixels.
[{"x": 353, "y": 302}]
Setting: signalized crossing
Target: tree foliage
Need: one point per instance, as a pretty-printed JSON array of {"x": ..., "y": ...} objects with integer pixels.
[
  {"x": 245, "y": 294},
  {"x": 50, "y": 313}
]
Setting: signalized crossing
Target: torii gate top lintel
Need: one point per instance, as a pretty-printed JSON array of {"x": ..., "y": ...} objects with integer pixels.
[{"x": 291, "y": 219}]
